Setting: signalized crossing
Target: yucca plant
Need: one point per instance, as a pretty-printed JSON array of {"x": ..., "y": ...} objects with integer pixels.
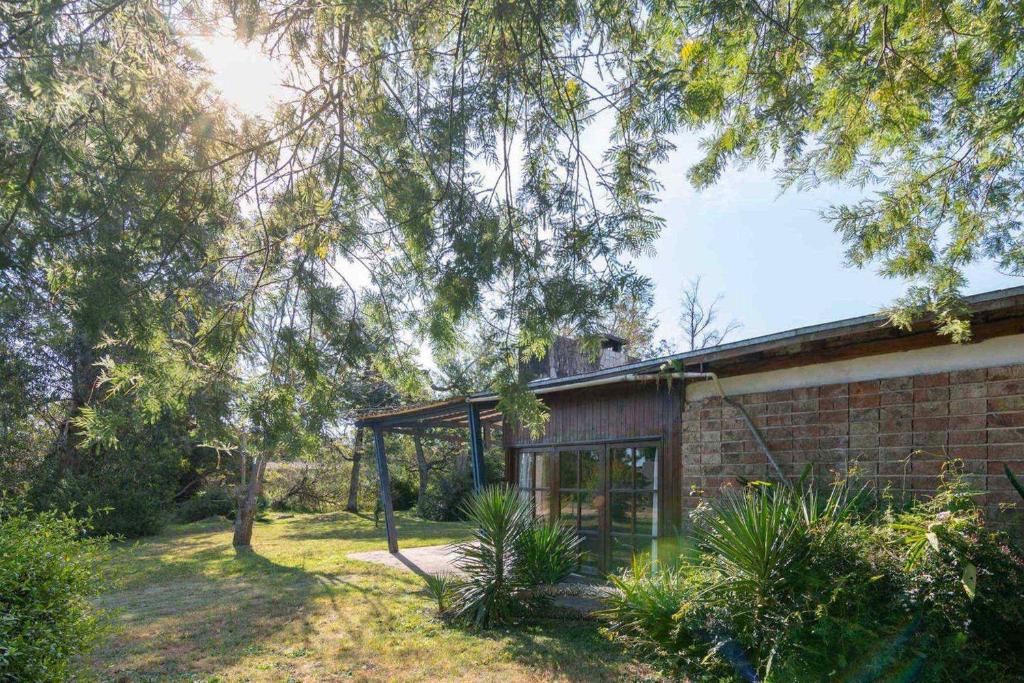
[
  {"x": 442, "y": 588},
  {"x": 547, "y": 552},
  {"x": 490, "y": 560}
]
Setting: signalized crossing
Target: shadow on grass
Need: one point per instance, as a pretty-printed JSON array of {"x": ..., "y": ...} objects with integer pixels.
[
  {"x": 574, "y": 649},
  {"x": 352, "y": 527},
  {"x": 211, "y": 608}
]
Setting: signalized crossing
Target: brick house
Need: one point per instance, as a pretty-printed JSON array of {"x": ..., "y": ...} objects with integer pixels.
[{"x": 630, "y": 446}]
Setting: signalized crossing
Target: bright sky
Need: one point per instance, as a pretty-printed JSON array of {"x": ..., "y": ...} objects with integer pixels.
[{"x": 776, "y": 262}]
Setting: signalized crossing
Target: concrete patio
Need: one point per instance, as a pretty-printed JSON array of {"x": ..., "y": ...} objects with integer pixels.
[{"x": 431, "y": 559}]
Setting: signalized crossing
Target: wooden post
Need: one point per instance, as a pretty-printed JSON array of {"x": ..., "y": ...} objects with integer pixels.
[
  {"x": 476, "y": 447},
  {"x": 385, "y": 488}
]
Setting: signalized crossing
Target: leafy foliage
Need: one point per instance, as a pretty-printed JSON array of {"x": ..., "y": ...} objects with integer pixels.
[
  {"x": 510, "y": 554},
  {"x": 48, "y": 576},
  {"x": 915, "y": 103},
  {"x": 795, "y": 585}
]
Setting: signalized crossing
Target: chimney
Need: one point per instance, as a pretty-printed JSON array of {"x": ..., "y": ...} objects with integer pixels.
[{"x": 566, "y": 358}]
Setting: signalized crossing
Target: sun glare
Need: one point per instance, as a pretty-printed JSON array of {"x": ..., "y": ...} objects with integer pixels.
[{"x": 248, "y": 79}]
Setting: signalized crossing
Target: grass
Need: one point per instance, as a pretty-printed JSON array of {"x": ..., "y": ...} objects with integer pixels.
[{"x": 187, "y": 607}]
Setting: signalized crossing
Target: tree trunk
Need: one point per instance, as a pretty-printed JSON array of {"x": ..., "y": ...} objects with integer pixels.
[
  {"x": 422, "y": 466},
  {"x": 83, "y": 379},
  {"x": 250, "y": 500},
  {"x": 353, "y": 484}
]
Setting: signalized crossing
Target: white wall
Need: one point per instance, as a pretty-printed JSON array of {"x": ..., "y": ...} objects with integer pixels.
[{"x": 1006, "y": 350}]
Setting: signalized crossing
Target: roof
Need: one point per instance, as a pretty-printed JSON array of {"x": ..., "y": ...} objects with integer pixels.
[
  {"x": 1011, "y": 298},
  {"x": 850, "y": 332}
]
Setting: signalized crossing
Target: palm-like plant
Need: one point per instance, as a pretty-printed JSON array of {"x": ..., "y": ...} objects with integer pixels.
[
  {"x": 510, "y": 553},
  {"x": 490, "y": 560},
  {"x": 547, "y": 552}
]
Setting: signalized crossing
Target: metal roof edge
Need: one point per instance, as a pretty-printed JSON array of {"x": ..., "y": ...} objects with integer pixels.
[{"x": 783, "y": 336}]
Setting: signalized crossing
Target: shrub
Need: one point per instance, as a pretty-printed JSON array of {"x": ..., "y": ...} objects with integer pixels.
[
  {"x": 510, "y": 554},
  {"x": 47, "y": 577},
  {"x": 207, "y": 503},
  {"x": 442, "y": 588},
  {"x": 547, "y": 552},
  {"x": 790, "y": 585},
  {"x": 446, "y": 497}
]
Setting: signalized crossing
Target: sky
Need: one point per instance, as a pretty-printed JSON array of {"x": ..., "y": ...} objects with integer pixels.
[{"x": 774, "y": 260}]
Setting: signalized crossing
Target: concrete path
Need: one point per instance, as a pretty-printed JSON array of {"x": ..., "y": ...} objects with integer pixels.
[
  {"x": 574, "y": 598},
  {"x": 431, "y": 559}
]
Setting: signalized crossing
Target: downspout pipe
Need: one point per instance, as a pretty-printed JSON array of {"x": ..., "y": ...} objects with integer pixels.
[{"x": 710, "y": 376}]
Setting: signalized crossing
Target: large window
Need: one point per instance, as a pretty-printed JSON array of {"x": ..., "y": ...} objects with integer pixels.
[
  {"x": 633, "y": 501},
  {"x": 534, "y": 481}
]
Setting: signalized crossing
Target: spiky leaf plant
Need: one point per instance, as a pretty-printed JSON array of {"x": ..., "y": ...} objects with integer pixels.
[{"x": 490, "y": 560}]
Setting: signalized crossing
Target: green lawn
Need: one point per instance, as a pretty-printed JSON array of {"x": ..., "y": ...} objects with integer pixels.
[{"x": 188, "y": 607}]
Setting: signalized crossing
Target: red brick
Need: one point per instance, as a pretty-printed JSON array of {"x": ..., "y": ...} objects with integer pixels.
[
  {"x": 965, "y": 422},
  {"x": 834, "y": 417},
  {"x": 896, "y": 383},
  {"x": 937, "y": 380},
  {"x": 929, "y": 438},
  {"x": 865, "y": 401},
  {"x": 968, "y": 406},
  {"x": 833, "y": 390},
  {"x": 894, "y": 440},
  {"x": 1007, "y": 435},
  {"x": 1006, "y": 419},
  {"x": 805, "y": 393},
  {"x": 1013, "y": 387},
  {"x": 978, "y": 436},
  {"x": 932, "y": 409},
  {"x": 927, "y": 467},
  {"x": 967, "y": 376},
  {"x": 970, "y": 453},
  {"x": 896, "y": 412},
  {"x": 931, "y": 394},
  {"x": 860, "y": 441},
  {"x": 1006, "y": 452},
  {"x": 863, "y": 388},
  {"x": 864, "y": 415},
  {"x": 1016, "y": 466},
  {"x": 1005, "y": 403},
  {"x": 968, "y": 391},
  {"x": 890, "y": 398},
  {"x": 840, "y": 403},
  {"x": 1006, "y": 372}
]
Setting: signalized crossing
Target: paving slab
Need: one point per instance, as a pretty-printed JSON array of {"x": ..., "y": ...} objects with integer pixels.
[{"x": 430, "y": 559}]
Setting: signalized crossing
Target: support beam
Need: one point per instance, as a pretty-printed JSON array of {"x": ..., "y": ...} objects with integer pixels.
[
  {"x": 385, "y": 488},
  {"x": 476, "y": 446}
]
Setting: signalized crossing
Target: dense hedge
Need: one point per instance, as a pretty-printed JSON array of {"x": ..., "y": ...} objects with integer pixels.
[{"x": 48, "y": 575}]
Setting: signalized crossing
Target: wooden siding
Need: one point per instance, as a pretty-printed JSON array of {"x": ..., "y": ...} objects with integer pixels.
[{"x": 616, "y": 412}]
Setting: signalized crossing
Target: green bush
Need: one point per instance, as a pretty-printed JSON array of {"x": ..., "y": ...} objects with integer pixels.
[
  {"x": 789, "y": 585},
  {"x": 48, "y": 575},
  {"x": 547, "y": 552},
  {"x": 207, "y": 503},
  {"x": 446, "y": 497},
  {"x": 510, "y": 555}
]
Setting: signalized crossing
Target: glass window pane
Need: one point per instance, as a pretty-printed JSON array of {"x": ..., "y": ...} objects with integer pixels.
[
  {"x": 541, "y": 507},
  {"x": 568, "y": 469},
  {"x": 525, "y": 470},
  {"x": 621, "y": 467},
  {"x": 646, "y": 514},
  {"x": 569, "y": 507},
  {"x": 588, "y": 512},
  {"x": 647, "y": 467},
  {"x": 590, "y": 470},
  {"x": 589, "y": 553},
  {"x": 622, "y": 552},
  {"x": 621, "y": 512},
  {"x": 540, "y": 473}
]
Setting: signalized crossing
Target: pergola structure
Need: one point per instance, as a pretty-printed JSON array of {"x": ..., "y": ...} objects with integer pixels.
[{"x": 469, "y": 413}]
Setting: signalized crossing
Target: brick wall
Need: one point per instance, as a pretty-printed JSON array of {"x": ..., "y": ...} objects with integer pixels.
[{"x": 896, "y": 432}]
